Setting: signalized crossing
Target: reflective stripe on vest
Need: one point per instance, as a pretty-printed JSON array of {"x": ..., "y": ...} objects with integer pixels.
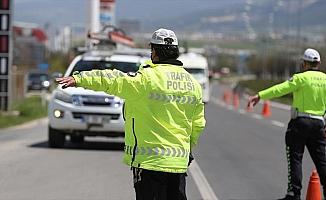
[
  {"x": 157, "y": 151},
  {"x": 173, "y": 98}
]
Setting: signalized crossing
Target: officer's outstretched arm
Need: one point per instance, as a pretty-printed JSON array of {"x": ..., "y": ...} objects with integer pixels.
[
  {"x": 114, "y": 82},
  {"x": 198, "y": 124},
  {"x": 283, "y": 88}
]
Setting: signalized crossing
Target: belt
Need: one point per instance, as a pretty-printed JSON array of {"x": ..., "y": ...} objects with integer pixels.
[
  {"x": 295, "y": 113},
  {"x": 307, "y": 115}
]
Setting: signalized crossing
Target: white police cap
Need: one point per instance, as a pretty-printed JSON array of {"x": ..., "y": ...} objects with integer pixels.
[
  {"x": 164, "y": 37},
  {"x": 311, "y": 55}
]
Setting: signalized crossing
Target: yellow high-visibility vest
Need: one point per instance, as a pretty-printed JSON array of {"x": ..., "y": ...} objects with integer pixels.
[{"x": 164, "y": 112}]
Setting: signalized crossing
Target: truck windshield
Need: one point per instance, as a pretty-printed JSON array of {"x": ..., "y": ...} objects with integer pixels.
[
  {"x": 91, "y": 65},
  {"x": 196, "y": 73}
]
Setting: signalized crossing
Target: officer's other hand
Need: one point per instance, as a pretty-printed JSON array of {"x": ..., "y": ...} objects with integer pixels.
[
  {"x": 253, "y": 100},
  {"x": 66, "y": 81}
]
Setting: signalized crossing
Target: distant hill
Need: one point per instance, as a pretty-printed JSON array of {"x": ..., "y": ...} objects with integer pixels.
[
  {"x": 231, "y": 16},
  {"x": 260, "y": 16}
]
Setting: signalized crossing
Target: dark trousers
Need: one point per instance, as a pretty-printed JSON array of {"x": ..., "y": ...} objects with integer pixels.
[
  {"x": 303, "y": 132},
  {"x": 154, "y": 185}
]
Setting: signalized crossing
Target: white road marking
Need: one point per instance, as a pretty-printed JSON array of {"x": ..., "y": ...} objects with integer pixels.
[
  {"x": 277, "y": 123},
  {"x": 203, "y": 186},
  {"x": 253, "y": 115}
]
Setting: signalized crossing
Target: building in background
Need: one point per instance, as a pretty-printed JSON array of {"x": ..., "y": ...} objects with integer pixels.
[
  {"x": 30, "y": 46},
  {"x": 62, "y": 40}
]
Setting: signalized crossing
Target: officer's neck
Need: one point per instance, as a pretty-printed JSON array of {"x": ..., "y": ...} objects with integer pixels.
[{"x": 310, "y": 69}]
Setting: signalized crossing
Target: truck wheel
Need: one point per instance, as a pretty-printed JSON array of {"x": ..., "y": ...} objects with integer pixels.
[
  {"x": 76, "y": 138},
  {"x": 56, "y": 138}
]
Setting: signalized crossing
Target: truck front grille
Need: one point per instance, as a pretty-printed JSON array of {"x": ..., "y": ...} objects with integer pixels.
[
  {"x": 97, "y": 101},
  {"x": 80, "y": 115}
]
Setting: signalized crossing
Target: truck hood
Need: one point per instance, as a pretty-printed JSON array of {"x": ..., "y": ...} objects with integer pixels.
[{"x": 82, "y": 91}]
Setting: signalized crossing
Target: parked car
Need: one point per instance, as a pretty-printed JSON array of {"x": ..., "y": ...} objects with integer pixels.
[
  {"x": 80, "y": 112},
  {"x": 38, "y": 81}
]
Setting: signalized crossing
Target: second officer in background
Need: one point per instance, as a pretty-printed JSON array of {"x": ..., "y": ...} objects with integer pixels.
[{"x": 307, "y": 124}]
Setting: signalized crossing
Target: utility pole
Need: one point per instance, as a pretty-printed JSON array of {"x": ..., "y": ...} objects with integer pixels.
[
  {"x": 5, "y": 53},
  {"x": 93, "y": 16}
]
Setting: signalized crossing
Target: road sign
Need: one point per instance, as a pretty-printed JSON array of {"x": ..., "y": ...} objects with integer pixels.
[
  {"x": 5, "y": 53},
  {"x": 107, "y": 12},
  {"x": 43, "y": 66}
]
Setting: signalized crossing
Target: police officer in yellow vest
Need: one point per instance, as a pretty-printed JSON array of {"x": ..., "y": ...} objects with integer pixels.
[
  {"x": 164, "y": 116},
  {"x": 306, "y": 127}
]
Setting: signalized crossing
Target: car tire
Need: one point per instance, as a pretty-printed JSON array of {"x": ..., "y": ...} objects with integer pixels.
[
  {"x": 56, "y": 139},
  {"x": 76, "y": 139}
]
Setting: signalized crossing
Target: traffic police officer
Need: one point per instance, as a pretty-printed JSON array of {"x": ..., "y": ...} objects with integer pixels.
[
  {"x": 164, "y": 116},
  {"x": 306, "y": 127}
]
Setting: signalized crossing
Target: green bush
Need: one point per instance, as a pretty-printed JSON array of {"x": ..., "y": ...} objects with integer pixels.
[{"x": 29, "y": 109}]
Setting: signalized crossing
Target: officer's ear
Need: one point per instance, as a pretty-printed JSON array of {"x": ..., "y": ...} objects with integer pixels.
[
  {"x": 302, "y": 65},
  {"x": 154, "y": 56}
]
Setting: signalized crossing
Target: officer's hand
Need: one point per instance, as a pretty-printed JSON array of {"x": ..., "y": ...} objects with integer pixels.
[
  {"x": 66, "y": 81},
  {"x": 253, "y": 100}
]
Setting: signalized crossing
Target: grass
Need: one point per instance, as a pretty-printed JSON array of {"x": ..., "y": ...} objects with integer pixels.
[
  {"x": 29, "y": 109},
  {"x": 254, "y": 86}
]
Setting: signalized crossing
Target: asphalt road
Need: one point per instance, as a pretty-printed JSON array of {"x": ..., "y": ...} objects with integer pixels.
[
  {"x": 241, "y": 155},
  {"x": 29, "y": 170}
]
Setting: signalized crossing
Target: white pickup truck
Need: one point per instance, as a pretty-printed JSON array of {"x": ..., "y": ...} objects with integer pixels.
[{"x": 78, "y": 112}]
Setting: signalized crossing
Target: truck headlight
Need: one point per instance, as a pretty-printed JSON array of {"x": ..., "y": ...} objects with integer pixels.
[
  {"x": 46, "y": 83},
  {"x": 58, "y": 113},
  {"x": 63, "y": 97},
  {"x": 117, "y": 102}
]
